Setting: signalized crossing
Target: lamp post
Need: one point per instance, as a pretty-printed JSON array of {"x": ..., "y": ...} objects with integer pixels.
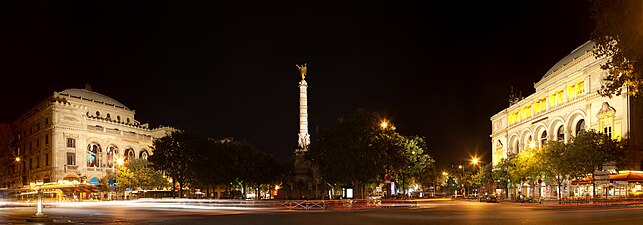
[
  {"x": 475, "y": 161},
  {"x": 119, "y": 162}
]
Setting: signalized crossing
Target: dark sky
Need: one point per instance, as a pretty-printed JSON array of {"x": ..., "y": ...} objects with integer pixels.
[{"x": 227, "y": 69}]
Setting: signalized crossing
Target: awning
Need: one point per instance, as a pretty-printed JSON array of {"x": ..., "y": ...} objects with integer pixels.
[{"x": 94, "y": 181}]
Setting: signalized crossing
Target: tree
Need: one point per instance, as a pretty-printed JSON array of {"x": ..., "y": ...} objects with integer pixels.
[
  {"x": 414, "y": 162},
  {"x": 175, "y": 155},
  {"x": 597, "y": 149},
  {"x": 483, "y": 176},
  {"x": 527, "y": 167},
  {"x": 357, "y": 150},
  {"x": 619, "y": 35},
  {"x": 144, "y": 176},
  {"x": 501, "y": 174},
  {"x": 558, "y": 163}
]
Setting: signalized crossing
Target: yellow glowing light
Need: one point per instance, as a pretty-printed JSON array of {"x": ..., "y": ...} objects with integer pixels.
[
  {"x": 17, "y": 159},
  {"x": 459, "y": 166},
  {"x": 120, "y": 161},
  {"x": 532, "y": 144},
  {"x": 445, "y": 174},
  {"x": 384, "y": 124},
  {"x": 475, "y": 160}
]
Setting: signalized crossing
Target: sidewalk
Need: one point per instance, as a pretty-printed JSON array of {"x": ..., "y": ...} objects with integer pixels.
[{"x": 554, "y": 203}]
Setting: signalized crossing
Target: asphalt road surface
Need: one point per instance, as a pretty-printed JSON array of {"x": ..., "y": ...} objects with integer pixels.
[{"x": 440, "y": 212}]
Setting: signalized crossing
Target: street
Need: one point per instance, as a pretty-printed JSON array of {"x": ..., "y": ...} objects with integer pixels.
[{"x": 439, "y": 212}]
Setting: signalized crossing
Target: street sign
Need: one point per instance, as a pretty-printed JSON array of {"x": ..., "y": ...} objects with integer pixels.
[
  {"x": 609, "y": 167},
  {"x": 621, "y": 182},
  {"x": 602, "y": 177},
  {"x": 599, "y": 172}
]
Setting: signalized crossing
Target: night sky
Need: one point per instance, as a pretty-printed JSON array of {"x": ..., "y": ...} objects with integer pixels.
[{"x": 227, "y": 69}]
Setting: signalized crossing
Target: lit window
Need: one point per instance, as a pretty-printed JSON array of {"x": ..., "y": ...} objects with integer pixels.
[{"x": 93, "y": 155}]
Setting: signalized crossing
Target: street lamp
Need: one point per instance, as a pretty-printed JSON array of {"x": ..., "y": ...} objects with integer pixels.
[
  {"x": 532, "y": 144},
  {"x": 119, "y": 162},
  {"x": 475, "y": 161},
  {"x": 384, "y": 124}
]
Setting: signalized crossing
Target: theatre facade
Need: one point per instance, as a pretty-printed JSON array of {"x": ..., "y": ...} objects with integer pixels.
[
  {"x": 565, "y": 102},
  {"x": 76, "y": 134}
]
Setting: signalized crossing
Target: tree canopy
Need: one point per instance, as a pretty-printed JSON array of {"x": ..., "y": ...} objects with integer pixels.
[
  {"x": 619, "y": 34},
  {"x": 358, "y": 150}
]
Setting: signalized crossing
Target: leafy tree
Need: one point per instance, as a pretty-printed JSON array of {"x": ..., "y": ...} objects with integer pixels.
[
  {"x": 175, "y": 155},
  {"x": 483, "y": 176},
  {"x": 597, "y": 149},
  {"x": 357, "y": 151},
  {"x": 501, "y": 174},
  {"x": 619, "y": 35},
  {"x": 527, "y": 167},
  {"x": 422, "y": 165},
  {"x": 145, "y": 176},
  {"x": 558, "y": 163}
]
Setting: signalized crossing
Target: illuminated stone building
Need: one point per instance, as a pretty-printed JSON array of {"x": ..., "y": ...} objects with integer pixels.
[
  {"x": 566, "y": 101},
  {"x": 76, "y": 134}
]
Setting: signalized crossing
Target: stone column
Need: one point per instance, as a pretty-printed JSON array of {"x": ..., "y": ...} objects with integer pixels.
[{"x": 304, "y": 137}]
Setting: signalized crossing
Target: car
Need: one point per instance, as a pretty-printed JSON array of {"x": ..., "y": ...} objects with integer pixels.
[{"x": 488, "y": 198}]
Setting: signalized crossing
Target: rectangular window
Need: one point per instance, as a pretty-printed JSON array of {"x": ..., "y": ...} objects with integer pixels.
[
  {"x": 71, "y": 158},
  {"x": 46, "y": 139},
  {"x": 31, "y": 163},
  {"x": 71, "y": 143},
  {"x": 571, "y": 92},
  {"x": 37, "y": 143},
  {"x": 580, "y": 88},
  {"x": 46, "y": 121},
  {"x": 608, "y": 131},
  {"x": 30, "y": 146},
  {"x": 37, "y": 162},
  {"x": 46, "y": 159}
]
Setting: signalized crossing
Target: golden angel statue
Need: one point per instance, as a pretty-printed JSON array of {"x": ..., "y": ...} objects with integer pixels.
[{"x": 302, "y": 70}]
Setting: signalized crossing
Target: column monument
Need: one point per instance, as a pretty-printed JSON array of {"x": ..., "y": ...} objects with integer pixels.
[{"x": 305, "y": 174}]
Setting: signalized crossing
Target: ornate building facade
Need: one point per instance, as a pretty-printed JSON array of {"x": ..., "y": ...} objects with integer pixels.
[
  {"x": 565, "y": 102},
  {"x": 76, "y": 134}
]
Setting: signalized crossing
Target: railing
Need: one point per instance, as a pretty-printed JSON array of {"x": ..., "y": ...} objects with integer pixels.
[{"x": 304, "y": 204}]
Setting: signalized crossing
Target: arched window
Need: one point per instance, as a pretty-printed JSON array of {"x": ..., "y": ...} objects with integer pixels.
[
  {"x": 108, "y": 116},
  {"x": 129, "y": 154},
  {"x": 143, "y": 154},
  {"x": 580, "y": 126},
  {"x": 118, "y": 118},
  {"x": 93, "y": 155},
  {"x": 517, "y": 150},
  {"x": 560, "y": 134},
  {"x": 112, "y": 153},
  {"x": 97, "y": 113},
  {"x": 543, "y": 138}
]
